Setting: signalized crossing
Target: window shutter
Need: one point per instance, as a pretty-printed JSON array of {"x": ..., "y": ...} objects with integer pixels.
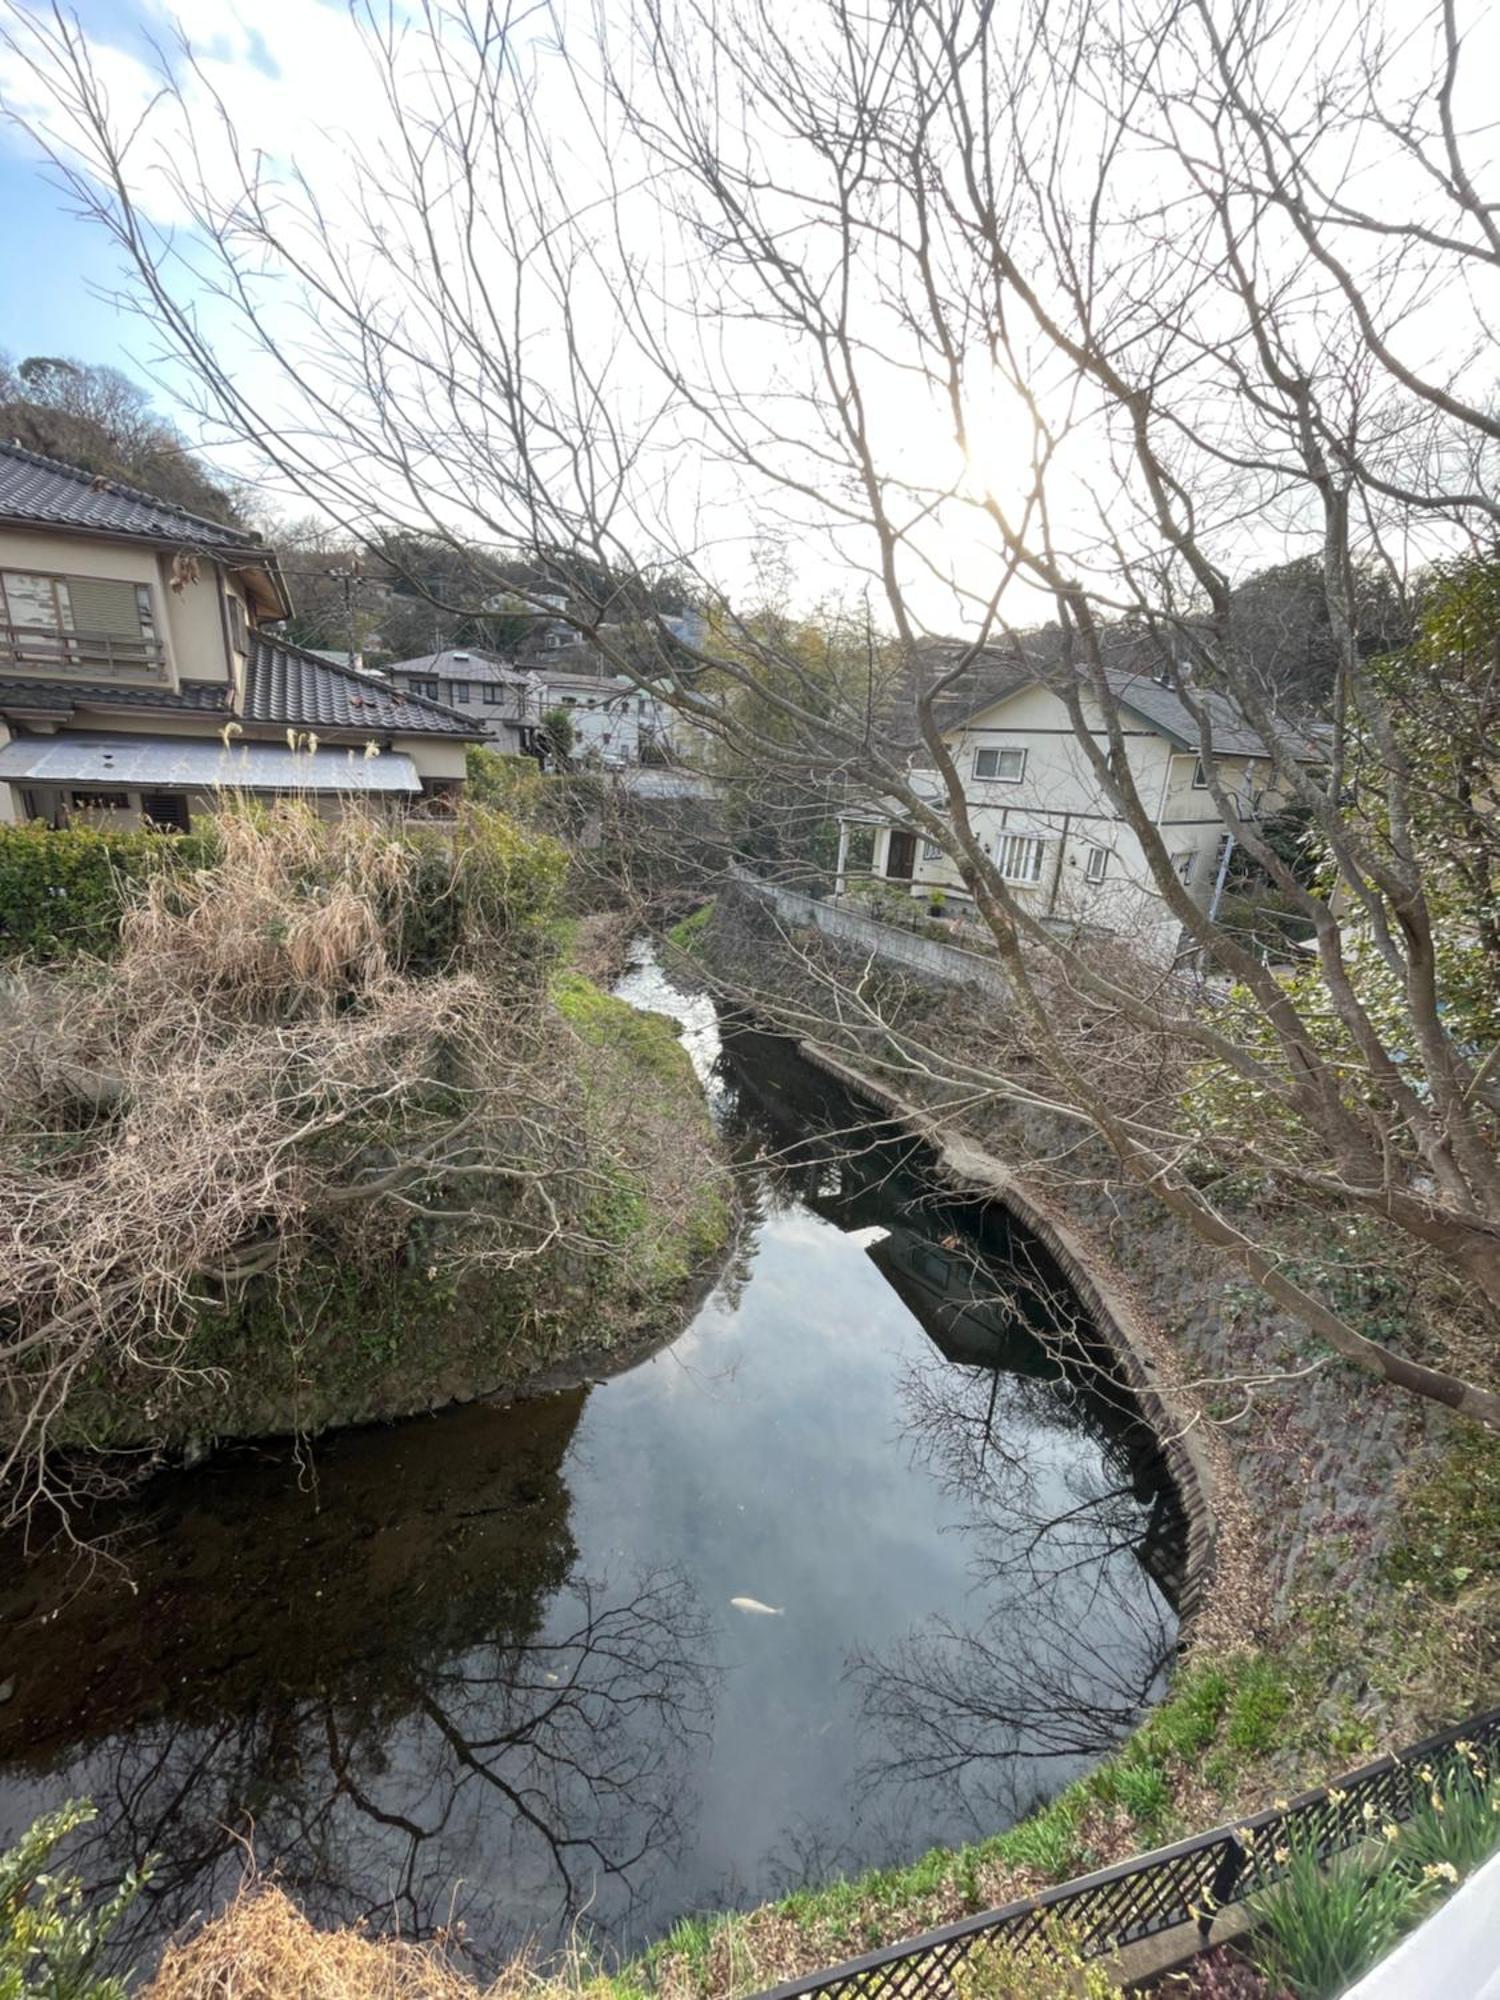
[{"x": 104, "y": 606}]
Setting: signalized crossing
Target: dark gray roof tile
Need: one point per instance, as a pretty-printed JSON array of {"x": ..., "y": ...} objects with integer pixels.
[
  {"x": 44, "y": 490},
  {"x": 284, "y": 684},
  {"x": 192, "y": 697}
]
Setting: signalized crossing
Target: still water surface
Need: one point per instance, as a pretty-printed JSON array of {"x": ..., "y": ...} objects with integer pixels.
[{"x": 491, "y": 1666}]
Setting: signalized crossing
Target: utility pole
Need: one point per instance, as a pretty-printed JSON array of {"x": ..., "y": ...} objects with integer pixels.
[{"x": 349, "y": 580}]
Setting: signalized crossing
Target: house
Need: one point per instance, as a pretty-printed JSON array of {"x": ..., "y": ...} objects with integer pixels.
[
  {"x": 140, "y": 673},
  {"x": 615, "y": 720},
  {"x": 1044, "y": 817},
  {"x": 506, "y": 705}
]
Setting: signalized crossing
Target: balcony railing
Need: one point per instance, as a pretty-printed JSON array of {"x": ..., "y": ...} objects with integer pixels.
[{"x": 42, "y": 649}]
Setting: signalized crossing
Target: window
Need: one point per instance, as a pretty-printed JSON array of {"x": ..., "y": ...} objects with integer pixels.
[
  {"x": 166, "y": 811},
  {"x": 1184, "y": 864},
  {"x": 1020, "y": 857},
  {"x": 101, "y": 802},
  {"x": 459, "y": 691},
  {"x": 492, "y": 694},
  {"x": 1096, "y": 867},
  {"x": 428, "y": 688},
  {"x": 236, "y": 623},
  {"x": 932, "y": 850},
  {"x": 1007, "y": 765},
  {"x": 78, "y": 617},
  {"x": 1200, "y": 776}
]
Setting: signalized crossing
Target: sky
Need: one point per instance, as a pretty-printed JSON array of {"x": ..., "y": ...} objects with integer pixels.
[
  {"x": 63, "y": 304},
  {"x": 293, "y": 74}
]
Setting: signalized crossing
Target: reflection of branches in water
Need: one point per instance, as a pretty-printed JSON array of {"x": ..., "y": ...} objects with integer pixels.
[
  {"x": 1072, "y": 1645},
  {"x": 561, "y": 1758}
]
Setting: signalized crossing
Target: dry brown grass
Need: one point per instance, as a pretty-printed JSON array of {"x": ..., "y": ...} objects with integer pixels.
[{"x": 263, "y": 1948}]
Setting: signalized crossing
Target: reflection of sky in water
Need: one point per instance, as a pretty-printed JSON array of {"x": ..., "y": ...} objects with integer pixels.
[{"x": 406, "y": 1696}]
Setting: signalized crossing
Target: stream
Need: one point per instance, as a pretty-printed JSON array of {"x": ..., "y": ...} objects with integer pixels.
[{"x": 871, "y": 1557}]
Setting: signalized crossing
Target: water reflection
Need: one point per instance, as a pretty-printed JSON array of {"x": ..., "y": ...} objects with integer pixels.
[{"x": 487, "y": 1666}]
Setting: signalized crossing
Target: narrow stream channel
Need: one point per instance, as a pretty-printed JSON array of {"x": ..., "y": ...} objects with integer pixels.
[{"x": 869, "y": 1558}]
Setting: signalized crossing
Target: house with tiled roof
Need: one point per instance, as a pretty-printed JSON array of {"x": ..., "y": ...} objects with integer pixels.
[
  {"x": 1047, "y": 820},
  {"x": 504, "y": 702},
  {"x": 140, "y": 674}
]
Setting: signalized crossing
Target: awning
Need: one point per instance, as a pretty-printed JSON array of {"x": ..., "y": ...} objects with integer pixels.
[{"x": 201, "y": 764}]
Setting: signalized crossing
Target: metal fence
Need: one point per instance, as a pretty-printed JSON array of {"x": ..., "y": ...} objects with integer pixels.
[{"x": 1184, "y": 1884}]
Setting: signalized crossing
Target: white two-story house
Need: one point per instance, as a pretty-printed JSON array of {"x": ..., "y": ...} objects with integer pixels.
[
  {"x": 1048, "y": 822},
  {"x": 141, "y": 677}
]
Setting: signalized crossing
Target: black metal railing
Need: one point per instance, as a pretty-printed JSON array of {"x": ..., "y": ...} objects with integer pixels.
[{"x": 1174, "y": 1886}]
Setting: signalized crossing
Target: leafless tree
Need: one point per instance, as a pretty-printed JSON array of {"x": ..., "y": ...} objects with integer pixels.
[{"x": 1088, "y": 310}]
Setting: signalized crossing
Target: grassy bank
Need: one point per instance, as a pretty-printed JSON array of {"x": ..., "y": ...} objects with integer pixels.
[{"x": 330, "y": 1134}]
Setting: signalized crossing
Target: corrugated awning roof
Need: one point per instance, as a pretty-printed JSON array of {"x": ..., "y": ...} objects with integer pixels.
[{"x": 161, "y": 763}]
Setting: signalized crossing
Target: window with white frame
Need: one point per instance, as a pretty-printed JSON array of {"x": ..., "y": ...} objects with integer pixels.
[
  {"x": 932, "y": 850},
  {"x": 1184, "y": 864},
  {"x": 1096, "y": 864},
  {"x": 1019, "y": 857},
  {"x": 1004, "y": 763}
]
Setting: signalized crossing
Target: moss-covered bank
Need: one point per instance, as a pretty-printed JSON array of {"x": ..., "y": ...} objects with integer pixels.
[{"x": 410, "y": 1331}]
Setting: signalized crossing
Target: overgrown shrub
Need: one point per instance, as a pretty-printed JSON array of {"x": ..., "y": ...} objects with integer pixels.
[
  {"x": 1048, "y": 1966},
  {"x": 51, "y": 1941},
  {"x": 331, "y": 1050}
]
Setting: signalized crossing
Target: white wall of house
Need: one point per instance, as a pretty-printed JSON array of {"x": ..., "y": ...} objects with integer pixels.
[
  {"x": 612, "y": 719},
  {"x": 1044, "y": 816}
]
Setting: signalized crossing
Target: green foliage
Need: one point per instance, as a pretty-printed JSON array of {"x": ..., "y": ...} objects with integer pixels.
[
  {"x": 1319, "y": 1929},
  {"x": 688, "y": 930},
  {"x": 1047, "y": 1966},
  {"x": 1457, "y": 1819},
  {"x": 647, "y": 1039},
  {"x": 481, "y": 878},
  {"x": 561, "y": 734},
  {"x": 481, "y": 883},
  {"x": 1257, "y": 1708},
  {"x": 1450, "y": 1523},
  {"x": 50, "y": 1942},
  {"x": 1456, "y": 1824},
  {"x": 62, "y": 894},
  {"x": 499, "y": 779},
  {"x": 1144, "y": 1792}
]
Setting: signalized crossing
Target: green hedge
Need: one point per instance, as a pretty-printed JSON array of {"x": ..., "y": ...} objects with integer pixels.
[{"x": 61, "y": 894}]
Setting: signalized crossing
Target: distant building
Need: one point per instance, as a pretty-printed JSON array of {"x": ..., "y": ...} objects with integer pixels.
[{"x": 506, "y": 703}]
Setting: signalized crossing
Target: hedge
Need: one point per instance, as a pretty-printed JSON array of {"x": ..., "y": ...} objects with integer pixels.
[
  {"x": 474, "y": 881},
  {"x": 62, "y": 893}
]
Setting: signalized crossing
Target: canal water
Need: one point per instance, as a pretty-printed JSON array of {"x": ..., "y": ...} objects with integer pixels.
[{"x": 871, "y": 1557}]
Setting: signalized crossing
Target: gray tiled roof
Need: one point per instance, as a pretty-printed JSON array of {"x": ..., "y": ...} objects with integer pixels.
[
  {"x": 44, "y": 490},
  {"x": 284, "y": 684},
  {"x": 455, "y": 665},
  {"x": 993, "y": 678},
  {"x": 192, "y": 697}
]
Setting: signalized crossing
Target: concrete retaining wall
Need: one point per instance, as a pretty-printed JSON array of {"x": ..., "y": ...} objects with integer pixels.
[{"x": 930, "y": 958}]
